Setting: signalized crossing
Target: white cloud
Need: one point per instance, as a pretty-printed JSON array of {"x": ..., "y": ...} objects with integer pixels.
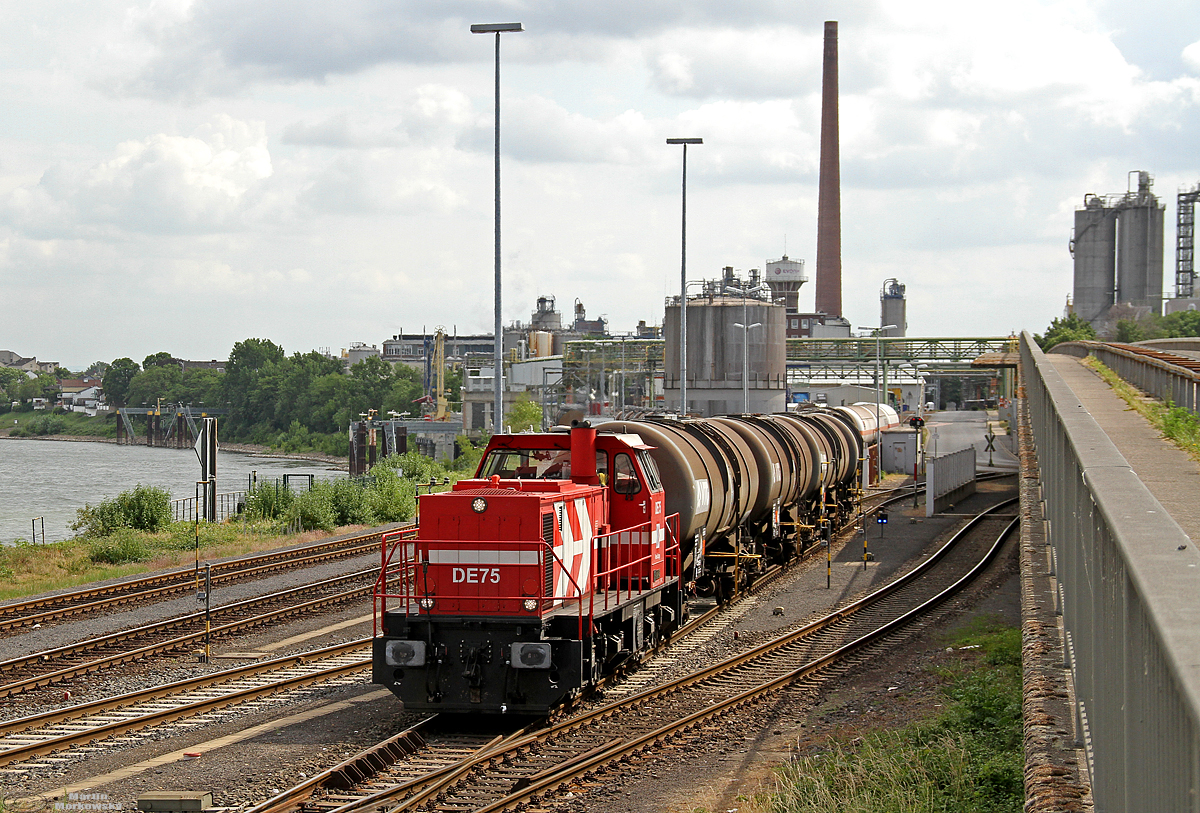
[
  {"x": 207, "y": 182},
  {"x": 1191, "y": 56}
]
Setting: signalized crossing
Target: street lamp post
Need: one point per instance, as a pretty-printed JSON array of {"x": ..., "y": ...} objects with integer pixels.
[
  {"x": 745, "y": 326},
  {"x": 683, "y": 281},
  {"x": 878, "y": 381},
  {"x": 498, "y": 409}
]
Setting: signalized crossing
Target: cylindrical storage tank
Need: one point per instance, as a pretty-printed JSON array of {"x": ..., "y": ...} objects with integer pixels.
[
  {"x": 1095, "y": 250},
  {"x": 1140, "y": 254},
  {"x": 893, "y": 308},
  {"x": 804, "y": 451},
  {"x": 720, "y": 355},
  {"x": 697, "y": 474},
  {"x": 771, "y": 459},
  {"x": 863, "y": 418},
  {"x": 541, "y": 343}
]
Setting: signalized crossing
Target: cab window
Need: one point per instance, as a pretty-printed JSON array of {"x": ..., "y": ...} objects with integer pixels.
[
  {"x": 651, "y": 470},
  {"x": 625, "y": 479}
]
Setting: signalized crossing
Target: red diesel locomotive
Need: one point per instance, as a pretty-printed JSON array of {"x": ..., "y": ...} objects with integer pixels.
[{"x": 571, "y": 552}]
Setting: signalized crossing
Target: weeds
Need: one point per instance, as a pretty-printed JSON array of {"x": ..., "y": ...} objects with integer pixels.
[
  {"x": 1175, "y": 423},
  {"x": 968, "y": 759}
]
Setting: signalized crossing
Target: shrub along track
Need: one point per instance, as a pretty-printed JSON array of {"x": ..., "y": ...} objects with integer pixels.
[
  {"x": 172, "y": 583},
  {"x": 538, "y": 763}
]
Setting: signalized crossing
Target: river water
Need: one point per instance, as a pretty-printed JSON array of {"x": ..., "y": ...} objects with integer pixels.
[{"x": 53, "y": 479}]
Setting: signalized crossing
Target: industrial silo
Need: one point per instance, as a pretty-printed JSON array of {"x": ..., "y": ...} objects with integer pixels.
[
  {"x": 893, "y": 308},
  {"x": 736, "y": 350},
  {"x": 1140, "y": 247},
  {"x": 1094, "y": 246}
]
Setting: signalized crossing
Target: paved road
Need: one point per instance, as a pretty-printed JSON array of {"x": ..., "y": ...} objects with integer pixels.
[{"x": 951, "y": 431}]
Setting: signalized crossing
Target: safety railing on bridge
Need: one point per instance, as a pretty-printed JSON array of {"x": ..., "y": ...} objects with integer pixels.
[
  {"x": 1146, "y": 368},
  {"x": 1129, "y": 587},
  {"x": 1160, "y": 378}
]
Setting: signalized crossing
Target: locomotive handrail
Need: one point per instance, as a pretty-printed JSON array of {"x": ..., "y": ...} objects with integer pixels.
[
  {"x": 381, "y": 593},
  {"x": 599, "y": 576},
  {"x": 405, "y": 543}
]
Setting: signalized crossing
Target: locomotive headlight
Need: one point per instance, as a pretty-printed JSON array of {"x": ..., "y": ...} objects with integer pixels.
[
  {"x": 426, "y": 603},
  {"x": 530, "y": 604},
  {"x": 404, "y": 653},
  {"x": 479, "y": 505},
  {"x": 530, "y": 656}
]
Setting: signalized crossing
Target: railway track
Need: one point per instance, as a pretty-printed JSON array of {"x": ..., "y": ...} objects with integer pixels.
[
  {"x": 92, "y": 600},
  {"x": 63, "y": 663},
  {"x": 536, "y": 763},
  {"x": 38, "y": 735}
]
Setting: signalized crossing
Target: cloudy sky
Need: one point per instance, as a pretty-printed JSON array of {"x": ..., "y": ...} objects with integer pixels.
[{"x": 182, "y": 174}]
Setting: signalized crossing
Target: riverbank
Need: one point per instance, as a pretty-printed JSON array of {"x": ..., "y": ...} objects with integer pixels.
[{"x": 253, "y": 449}]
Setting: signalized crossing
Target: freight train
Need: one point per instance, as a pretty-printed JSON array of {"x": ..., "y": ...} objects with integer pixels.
[{"x": 571, "y": 552}]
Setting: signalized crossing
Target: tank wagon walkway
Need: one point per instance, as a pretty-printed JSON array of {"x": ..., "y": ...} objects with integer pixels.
[{"x": 1170, "y": 474}]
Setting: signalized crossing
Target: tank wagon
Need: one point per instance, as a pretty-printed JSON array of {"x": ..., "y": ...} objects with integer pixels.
[{"x": 570, "y": 552}]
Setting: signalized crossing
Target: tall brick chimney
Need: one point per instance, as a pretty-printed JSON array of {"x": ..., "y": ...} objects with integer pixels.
[{"x": 829, "y": 198}]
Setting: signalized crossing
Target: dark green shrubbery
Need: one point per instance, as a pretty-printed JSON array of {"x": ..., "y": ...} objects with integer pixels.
[
  {"x": 145, "y": 508},
  {"x": 381, "y": 496}
]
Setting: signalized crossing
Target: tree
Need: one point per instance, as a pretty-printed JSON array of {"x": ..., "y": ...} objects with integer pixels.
[
  {"x": 249, "y": 361},
  {"x": 157, "y": 360},
  {"x": 117, "y": 379},
  {"x": 1070, "y": 329},
  {"x": 1181, "y": 324},
  {"x": 62, "y": 372},
  {"x": 42, "y": 386},
  {"x": 156, "y": 384},
  {"x": 524, "y": 415},
  {"x": 1129, "y": 331},
  {"x": 10, "y": 383},
  {"x": 96, "y": 369}
]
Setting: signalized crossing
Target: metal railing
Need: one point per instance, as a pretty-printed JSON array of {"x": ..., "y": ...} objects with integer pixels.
[
  {"x": 1128, "y": 582},
  {"x": 948, "y": 478},
  {"x": 1161, "y": 379},
  {"x": 228, "y": 505}
]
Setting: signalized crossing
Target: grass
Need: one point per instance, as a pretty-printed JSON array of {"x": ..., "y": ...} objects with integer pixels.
[
  {"x": 27, "y": 569},
  {"x": 1176, "y": 424},
  {"x": 43, "y": 422},
  {"x": 969, "y": 759}
]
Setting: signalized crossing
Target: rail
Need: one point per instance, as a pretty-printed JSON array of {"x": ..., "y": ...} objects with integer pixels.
[{"x": 1127, "y": 587}]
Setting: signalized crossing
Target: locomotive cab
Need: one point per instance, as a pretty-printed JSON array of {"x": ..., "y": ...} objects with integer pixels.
[{"x": 529, "y": 581}]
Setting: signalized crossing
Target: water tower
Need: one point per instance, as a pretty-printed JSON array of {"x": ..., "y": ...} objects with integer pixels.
[{"x": 785, "y": 278}]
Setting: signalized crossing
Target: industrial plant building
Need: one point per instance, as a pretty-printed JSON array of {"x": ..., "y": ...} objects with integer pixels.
[{"x": 1118, "y": 249}]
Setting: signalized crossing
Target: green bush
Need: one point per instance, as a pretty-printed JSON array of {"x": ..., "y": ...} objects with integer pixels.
[
  {"x": 120, "y": 547},
  {"x": 269, "y": 500},
  {"x": 145, "y": 508},
  {"x": 351, "y": 504},
  {"x": 312, "y": 510},
  {"x": 391, "y": 497}
]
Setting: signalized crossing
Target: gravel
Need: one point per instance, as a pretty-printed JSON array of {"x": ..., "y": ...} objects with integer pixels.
[{"x": 711, "y": 771}]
